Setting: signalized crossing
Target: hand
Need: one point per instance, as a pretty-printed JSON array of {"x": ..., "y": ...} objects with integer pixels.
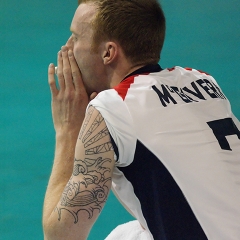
[
  {"x": 69, "y": 102},
  {"x": 69, "y": 43}
]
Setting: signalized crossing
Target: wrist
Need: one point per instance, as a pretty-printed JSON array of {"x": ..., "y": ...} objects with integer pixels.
[
  {"x": 66, "y": 137},
  {"x": 65, "y": 149}
]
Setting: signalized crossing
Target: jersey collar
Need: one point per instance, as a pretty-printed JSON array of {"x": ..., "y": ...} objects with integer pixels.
[{"x": 150, "y": 68}]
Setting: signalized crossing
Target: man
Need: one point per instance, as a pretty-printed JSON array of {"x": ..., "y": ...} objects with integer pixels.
[{"x": 165, "y": 140}]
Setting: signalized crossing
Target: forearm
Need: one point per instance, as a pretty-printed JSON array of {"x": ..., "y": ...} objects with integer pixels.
[
  {"x": 78, "y": 189},
  {"x": 61, "y": 172},
  {"x": 69, "y": 102}
]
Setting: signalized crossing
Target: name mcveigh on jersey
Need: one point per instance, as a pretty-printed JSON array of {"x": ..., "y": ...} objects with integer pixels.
[{"x": 166, "y": 93}]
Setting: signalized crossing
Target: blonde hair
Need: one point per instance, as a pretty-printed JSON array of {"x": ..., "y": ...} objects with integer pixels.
[{"x": 137, "y": 25}]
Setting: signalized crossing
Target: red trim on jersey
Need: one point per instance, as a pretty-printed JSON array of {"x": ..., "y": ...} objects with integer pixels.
[
  {"x": 190, "y": 69},
  {"x": 171, "y": 69},
  {"x": 122, "y": 87},
  {"x": 204, "y": 72}
]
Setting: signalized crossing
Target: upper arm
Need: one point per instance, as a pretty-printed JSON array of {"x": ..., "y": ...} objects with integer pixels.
[{"x": 86, "y": 192}]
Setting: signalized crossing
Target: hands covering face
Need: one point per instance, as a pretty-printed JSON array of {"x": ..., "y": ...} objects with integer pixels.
[{"x": 70, "y": 100}]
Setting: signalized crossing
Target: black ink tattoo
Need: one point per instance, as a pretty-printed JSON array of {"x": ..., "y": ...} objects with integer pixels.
[
  {"x": 89, "y": 193},
  {"x": 106, "y": 147},
  {"x": 89, "y": 185},
  {"x": 93, "y": 127},
  {"x": 97, "y": 137},
  {"x": 88, "y": 117}
]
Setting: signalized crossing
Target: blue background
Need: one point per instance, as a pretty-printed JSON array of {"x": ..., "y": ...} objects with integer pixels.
[{"x": 200, "y": 34}]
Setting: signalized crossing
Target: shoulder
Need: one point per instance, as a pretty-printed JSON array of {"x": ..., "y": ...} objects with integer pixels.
[
  {"x": 178, "y": 70},
  {"x": 118, "y": 121}
]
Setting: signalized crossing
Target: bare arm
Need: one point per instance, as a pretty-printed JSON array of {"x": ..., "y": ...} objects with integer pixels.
[
  {"x": 77, "y": 189},
  {"x": 86, "y": 192}
]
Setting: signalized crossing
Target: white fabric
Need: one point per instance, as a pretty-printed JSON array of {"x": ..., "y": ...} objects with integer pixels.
[
  {"x": 177, "y": 132},
  {"x": 129, "y": 231}
]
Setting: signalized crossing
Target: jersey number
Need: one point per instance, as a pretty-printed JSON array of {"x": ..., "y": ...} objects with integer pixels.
[{"x": 222, "y": 128}]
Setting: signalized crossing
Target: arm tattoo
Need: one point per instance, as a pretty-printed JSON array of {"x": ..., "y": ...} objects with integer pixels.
[
  {"x": 88, "y": 193},
  {"x": 93, "y": 127},
  {"x": 90, "y": 111},
  {"x": 106, "y": 147},
  {"x": 88, "y": 187},
  {"x": 97, "y": 137}
]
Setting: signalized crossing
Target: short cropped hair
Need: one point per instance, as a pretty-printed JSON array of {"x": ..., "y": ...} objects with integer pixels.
[{"x": 137, "y": 25}]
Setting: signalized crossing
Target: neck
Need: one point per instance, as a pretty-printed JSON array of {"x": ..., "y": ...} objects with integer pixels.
[{"x": 118, "y": 74}]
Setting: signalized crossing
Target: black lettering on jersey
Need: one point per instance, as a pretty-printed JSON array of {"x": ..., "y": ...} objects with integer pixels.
[
  {"x": 206, "y": 87},
  {"x": 213, "y": 87},
  {"x": 196, "y": 91},
  {"x": 169, "y": 88},
  {"x": 222, "y": 128},
  {"x": 182, "y": 95},
  {"x": 219, "y": 90},
  {"x": 210, "y": 89},
  {"x": 164, "y": 96}
]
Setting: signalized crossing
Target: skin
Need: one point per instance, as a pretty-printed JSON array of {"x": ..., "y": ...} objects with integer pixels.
[
  {"x": 84, "y": 157},
  {"x": 101, "y": 69},
  {"x": 90, "y": 63}
]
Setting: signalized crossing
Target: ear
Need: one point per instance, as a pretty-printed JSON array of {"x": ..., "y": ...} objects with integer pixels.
[{"x": 110, "y": 52}]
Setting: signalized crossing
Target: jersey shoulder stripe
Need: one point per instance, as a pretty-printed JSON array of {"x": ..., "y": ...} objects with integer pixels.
[{"x": 123, "y": 87}]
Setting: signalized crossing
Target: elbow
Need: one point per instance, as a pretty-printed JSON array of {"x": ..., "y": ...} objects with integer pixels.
[
  {"x": 51, "y": 231},
  {"x": 52, "y": 228},
  {"x": 47, "y": 230},
  {"x": 55, "y": 230}
]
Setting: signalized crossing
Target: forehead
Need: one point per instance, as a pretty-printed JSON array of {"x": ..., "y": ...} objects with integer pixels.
[{"x": 83, "y": 17}]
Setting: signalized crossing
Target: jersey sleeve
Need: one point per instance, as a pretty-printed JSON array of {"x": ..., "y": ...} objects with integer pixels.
[{"x": 119, "y": 123}]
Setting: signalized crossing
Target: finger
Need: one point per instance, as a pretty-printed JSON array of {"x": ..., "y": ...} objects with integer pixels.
[
  {"x": 60, "y": 71},
  {"x": 76, "y": 74},
  {"x": 69, "y": 43},
  {"x": 51, "y": 79},
  {"x": 67, "y": 72}
]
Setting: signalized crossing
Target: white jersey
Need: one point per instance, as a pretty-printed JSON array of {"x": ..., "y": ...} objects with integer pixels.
[{"x": 178, "y": 153}]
